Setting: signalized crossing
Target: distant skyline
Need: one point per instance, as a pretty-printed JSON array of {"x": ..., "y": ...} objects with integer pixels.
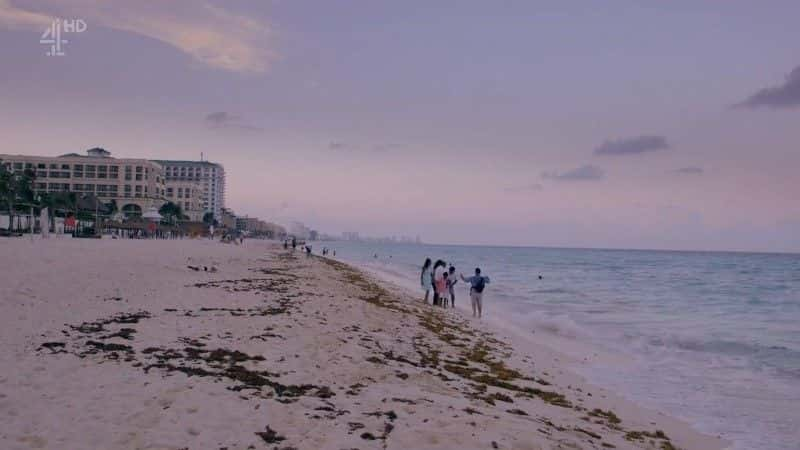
[{"x": 622, "y": 125}]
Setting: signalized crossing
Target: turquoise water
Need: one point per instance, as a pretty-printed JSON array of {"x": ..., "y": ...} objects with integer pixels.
[{"x": 713, "y": 338}]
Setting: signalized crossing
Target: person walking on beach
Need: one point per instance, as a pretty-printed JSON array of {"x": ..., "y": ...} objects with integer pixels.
[
  {"x": 451, "y": 283},
  {"x": 425, "y": 277},
  {"x": 477, "y": 283}
]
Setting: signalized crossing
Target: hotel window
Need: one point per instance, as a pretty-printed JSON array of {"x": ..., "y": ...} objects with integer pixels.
[
  {"x": 41, "y": 166},
  {"x": 113, "y": 172},
  {"x": 40, "y": 186},
  {"x": 180, "y": 192},
  {"x": 138, "y": 191},
  {"x": 18, "y": 166},
  {"x": 77, "y": 171},
  {"x": 169, "y": 192},
  {"x": 127, "y": 190},
  {"x": 41, "y": 174},
  {"x": 54, "y": 166},
  {"x": 102, "y": 171},
  {"x": 90, "y": 169}
]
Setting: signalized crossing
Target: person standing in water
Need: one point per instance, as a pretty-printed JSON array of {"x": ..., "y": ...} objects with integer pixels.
[
  {"x": 477, "y": 283},
  {"x": 425, "y": 278},
  {"x": 451, "y": 282}
]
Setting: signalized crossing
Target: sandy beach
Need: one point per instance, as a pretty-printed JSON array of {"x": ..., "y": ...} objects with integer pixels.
[{"x": 194, "y": 344}]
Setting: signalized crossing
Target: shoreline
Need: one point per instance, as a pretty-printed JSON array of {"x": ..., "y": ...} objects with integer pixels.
[
  {"x": 132, "y": 346},
  {"x": 575, "y": 362}
]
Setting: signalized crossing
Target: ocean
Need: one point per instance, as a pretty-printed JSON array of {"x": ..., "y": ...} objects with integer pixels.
[{"x": 709, "y": 337}]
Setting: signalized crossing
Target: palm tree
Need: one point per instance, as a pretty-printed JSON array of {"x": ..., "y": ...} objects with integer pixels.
[
  {"x": 171, "y": 212},
  {"x": 15, "y": 187}
]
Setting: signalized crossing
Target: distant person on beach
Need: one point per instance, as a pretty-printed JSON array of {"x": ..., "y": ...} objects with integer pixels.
[
  {"x": 425, "y": 277},
  {"x": 438, "y": 271},
  {"x": 294, "y": 243},
  {"x": 443, "y": 290},
  {"x": 451, "y": 283},
  {"x": 477, "y": 283}
]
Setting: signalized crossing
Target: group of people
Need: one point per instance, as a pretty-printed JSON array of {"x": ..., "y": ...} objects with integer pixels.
[{"x": 441, "y": 280}]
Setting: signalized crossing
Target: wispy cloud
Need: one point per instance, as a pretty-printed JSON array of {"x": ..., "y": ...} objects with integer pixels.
[
  {"x": 586, "y": 172},
  {"x": 338, "y": 145},
  {"x": 690, "y": 170},
  {"x": 786, "y": 95},
  {"x": 632, "y": 146},
  {"x": 211, "y": 35},
  {"x": 387, "y": 147},
  {"x": 222, "y": 119},
  {"x": 532, "y": 187}
]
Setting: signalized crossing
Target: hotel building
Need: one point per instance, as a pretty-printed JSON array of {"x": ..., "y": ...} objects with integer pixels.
[
  {"x": 135, "y": 184},
  {"x": 206, "y": 177}
]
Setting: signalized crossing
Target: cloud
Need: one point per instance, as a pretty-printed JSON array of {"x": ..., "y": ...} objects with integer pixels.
[
  {"x": 337, "y": 145},
  {"x": 387, "y": 147},
  {"x": 533, "y": 187},
  {"x": 211, "y": 35},
  {"x": 222, "y": 119},
  {"x": 583, "y": 173},
  {"x": 632, "y": 146},
  {"x": 690, "y": 170},
  {"x": 786, "y": 95}
]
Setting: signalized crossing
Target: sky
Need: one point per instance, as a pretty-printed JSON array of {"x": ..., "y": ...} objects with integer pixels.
[{"x": 621, "y": 124}]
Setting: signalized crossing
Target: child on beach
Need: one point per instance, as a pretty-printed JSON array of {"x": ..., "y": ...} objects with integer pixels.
[
  {"x": 438, "y": 271},
  {"x": 442, "y": 290}
]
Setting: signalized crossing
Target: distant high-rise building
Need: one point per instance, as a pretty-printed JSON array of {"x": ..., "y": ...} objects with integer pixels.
[{"x": 208, "y": 178}]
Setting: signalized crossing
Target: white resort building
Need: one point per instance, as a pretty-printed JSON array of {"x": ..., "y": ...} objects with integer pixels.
[
  {"x": 135, "y": 184},
  {"x": 206, "y": 177}
]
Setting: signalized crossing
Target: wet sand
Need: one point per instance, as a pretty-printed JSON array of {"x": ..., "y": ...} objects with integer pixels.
[{"x": 119, "y": 344}]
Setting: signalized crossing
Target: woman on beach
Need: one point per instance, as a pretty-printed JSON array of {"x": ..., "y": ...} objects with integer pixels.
[
  {"x": 425, "y": 278},
  {"x": 451, "y": 283}
]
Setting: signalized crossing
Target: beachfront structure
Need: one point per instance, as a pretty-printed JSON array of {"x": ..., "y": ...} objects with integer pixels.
[
  {"x": 188, "y": 194},
  {"x": 227, "y": 219},
  {"x": 134, "y": 184},
  {"x": 207, "y": 177}
]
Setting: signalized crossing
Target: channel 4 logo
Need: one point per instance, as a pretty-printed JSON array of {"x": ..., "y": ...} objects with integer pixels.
[{"x": 52, "y": 36}]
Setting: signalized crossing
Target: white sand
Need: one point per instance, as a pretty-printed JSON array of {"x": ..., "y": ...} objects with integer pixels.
[{"x": 311, "y": 321}]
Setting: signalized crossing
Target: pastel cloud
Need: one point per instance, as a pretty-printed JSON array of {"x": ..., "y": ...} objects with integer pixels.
[
  {"x": 586, "y": 172},
  {"x": 223, "y": 119},
  {"x": 210, "y": 35},
  {"x": 785, "y": 95},
  {"x": 632, "y": 146}
]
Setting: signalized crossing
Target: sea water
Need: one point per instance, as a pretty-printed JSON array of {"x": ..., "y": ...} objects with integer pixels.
[{"x": 709, "y": 337}]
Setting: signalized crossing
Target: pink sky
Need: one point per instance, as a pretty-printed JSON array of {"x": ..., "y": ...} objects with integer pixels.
[{"x": 534, "y": 123}]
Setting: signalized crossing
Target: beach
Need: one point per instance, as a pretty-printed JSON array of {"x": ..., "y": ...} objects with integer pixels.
[{"x": 159, "y": 344}]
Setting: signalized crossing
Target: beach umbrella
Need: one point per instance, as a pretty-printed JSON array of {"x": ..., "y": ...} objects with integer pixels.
[{"x": 152, "y": 215}]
